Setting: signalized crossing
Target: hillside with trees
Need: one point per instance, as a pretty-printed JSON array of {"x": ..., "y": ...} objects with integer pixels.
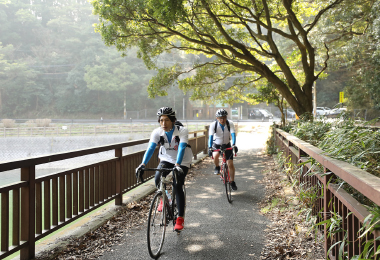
[
  {"x": 72, "y": 58},
  {"x": 53, "y": 64}
]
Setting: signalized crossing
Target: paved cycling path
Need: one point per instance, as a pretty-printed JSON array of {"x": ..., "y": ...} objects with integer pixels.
[{"x": 214, "y": 229}]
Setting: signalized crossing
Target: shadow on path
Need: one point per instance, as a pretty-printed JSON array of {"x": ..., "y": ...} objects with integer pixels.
[{"x": 214, "y": 229}]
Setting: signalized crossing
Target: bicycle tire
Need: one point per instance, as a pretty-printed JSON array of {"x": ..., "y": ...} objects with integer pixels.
[
  {"x": 184, "y": 193},
  {"x": 174, "y": 209},
  {"x": 227, "y": 183},
  {"x": 156, "y": 227}
]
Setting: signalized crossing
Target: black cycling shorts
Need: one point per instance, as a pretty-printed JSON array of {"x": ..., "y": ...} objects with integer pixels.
[{"x": 229, "y": 153}]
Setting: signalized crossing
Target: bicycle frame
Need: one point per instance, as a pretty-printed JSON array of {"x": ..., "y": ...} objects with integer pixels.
[
  {"x": 168, "y": 212},
  {"x": 167, "y": 181},
  {"x": 224, "y": 160},
  {"x": 225, "y": 173}
]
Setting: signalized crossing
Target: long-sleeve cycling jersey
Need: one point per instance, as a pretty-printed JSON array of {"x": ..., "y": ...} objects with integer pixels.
[
  {"x": 173, "y": 151},
  {"x": 221, "y": 135}
]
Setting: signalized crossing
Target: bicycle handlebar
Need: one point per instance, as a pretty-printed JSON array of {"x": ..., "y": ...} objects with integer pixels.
[
  {"x": 217, "y": 150},
  {"x": 154, "y": 169},
  {"x": 222, "y": 150}
]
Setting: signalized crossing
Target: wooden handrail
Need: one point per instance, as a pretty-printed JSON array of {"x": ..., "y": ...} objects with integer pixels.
[
  {"x": 334, "y": 198},
  {"x": 50, "y": 202}
]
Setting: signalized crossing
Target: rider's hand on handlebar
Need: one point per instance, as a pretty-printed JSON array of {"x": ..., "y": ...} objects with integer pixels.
[
  {"x": 180, "y": 178},
  {"x": 178, "y": 169},
  {"x": 139, "y": 172},
  {"x": 210, "y": 152},
  {"x": 235, "y": 149}
]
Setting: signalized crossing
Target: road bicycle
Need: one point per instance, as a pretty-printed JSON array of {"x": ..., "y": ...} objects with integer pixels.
[
  {"x": 224, "y": 171},
  {"x": 158, "y": 220}
]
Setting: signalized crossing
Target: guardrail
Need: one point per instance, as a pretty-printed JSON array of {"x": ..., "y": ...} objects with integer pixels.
[
  {"x": 35, "y": 207},
  {"x": 331, "y": 197}
]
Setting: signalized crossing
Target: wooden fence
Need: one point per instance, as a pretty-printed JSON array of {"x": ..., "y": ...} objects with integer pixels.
[
  {"x": 35, "y": 207},
  {"x": 333, "y": 198}
]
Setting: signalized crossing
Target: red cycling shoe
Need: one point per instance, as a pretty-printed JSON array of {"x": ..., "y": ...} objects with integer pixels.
[
  {"x": 159, "y": 209},
  {"x": 179, "y": 224}
]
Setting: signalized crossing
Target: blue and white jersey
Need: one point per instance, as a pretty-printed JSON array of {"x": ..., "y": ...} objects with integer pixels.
[
  {"x": 169, "y": 151},
  {"x": 221, "y": 135}
]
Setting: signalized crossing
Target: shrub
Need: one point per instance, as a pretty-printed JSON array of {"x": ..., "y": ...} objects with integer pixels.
[
  {"x": 43, "y": 122},
  {"x": 8, "y": 123}
]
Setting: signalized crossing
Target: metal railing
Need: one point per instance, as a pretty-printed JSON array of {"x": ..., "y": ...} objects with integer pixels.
[
  {"x": 35, "y": 207},
  {"x": 332, "y": 198}
]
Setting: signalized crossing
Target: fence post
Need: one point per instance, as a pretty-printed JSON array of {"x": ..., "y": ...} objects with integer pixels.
[
  {"x": 206, "y": 138},
  {"x": 28, "y": 212},
  {"x": 326, "y": 206},
  {"x": 119, "y": 176},
  {"x": 196, "y": 146}
]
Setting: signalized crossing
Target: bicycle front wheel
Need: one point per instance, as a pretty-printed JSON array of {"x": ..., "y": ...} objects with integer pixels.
[
  {"x": 227, "y": 183},
  {"x": 156, "y": 226}
]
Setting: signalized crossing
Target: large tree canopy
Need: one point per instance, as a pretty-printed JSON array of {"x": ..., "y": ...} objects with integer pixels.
[{"x": 249, "y": 40}]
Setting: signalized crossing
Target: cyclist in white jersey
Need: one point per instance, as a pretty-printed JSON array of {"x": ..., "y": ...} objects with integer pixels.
[
  {"x": 174, "y": 153},
  {"x": 220, "y": 133}
]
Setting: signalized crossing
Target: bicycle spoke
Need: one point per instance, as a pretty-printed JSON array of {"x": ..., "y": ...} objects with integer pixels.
[{"x": 156, "y": 227}]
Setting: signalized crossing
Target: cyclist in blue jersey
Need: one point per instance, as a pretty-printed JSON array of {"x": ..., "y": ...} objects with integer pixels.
[
  {"x": 220, "y": 133},
  {"x": 174, "y": 153}
]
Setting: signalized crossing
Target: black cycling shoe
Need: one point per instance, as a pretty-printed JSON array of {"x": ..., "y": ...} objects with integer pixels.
[
  {"x": 233, "y": 185},
  {"x": 217, "y": 170}
]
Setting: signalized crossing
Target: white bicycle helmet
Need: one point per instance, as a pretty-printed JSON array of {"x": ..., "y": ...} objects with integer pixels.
[
  {"x": 166, "y": 111},
  {"x": 221, "y": 112}
]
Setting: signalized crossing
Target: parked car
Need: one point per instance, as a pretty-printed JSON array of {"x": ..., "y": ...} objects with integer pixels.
[
  {"x": 288, "y": 112},
  {"x": 338, "y": 109},
  {"x": 322, "y": 111},
  {"x": 257, "y": 113},
  {"x": 265, "y": 114}
]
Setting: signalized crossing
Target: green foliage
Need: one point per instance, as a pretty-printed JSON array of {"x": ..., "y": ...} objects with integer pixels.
[
  {"x": 370, "y": 224},
  {"x": 310, "y": 131},
  {"x": 271, "y": 143},
  {"x": 356, "y": 145},
  {"x": 354, "y": 62},
  {"x": 343, "y": 140},
  {"x": 244, "y": 45}
]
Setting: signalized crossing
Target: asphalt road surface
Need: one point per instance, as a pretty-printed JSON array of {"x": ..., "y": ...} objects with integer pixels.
[{"x": 215, "y": 229}]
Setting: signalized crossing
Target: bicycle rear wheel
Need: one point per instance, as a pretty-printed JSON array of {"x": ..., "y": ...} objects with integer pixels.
[
  {"x": 156, "y": 226},
  {"x": 227, "y": 183}
]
